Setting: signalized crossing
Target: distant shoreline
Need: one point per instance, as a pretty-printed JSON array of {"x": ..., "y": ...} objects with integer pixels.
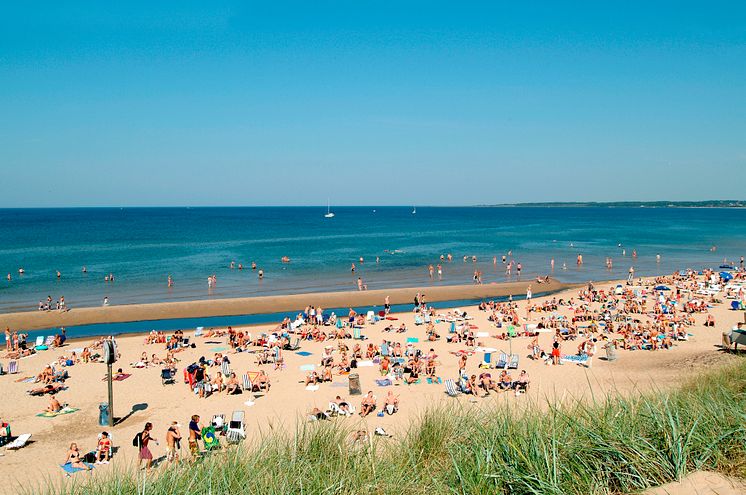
[
  {"x": 36, "y": 320},
  {"x": 628, "y": 204}
]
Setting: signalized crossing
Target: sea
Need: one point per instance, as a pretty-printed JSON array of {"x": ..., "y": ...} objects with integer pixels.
[{"x": 142, "y": 247}]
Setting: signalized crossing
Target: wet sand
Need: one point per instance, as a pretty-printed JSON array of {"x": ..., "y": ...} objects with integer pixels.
[{"x": 34, "y": 320}]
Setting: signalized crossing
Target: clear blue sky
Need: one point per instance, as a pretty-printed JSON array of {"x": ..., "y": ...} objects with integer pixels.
[{"x": 196, "y": 103}]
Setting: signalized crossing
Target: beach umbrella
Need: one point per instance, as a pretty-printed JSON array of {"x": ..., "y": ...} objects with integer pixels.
[{"x": 726, "y": 276}]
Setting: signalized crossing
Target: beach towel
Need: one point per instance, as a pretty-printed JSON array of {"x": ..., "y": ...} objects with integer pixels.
[
  {"x": 364, "y": 364},
  {"x": 118, "y": 378},
  {"x": 218, "y": 349},
  {"x": 307, "y": 367},
  {"x": 28, "y": 379},
  {"x": 209, "y": 438},
  {"x": 312, "y": 388},
  {"x": 64, "y": 410},
  {"x": 391, "y": 318},
  {"x": 435, "y": 380},
  {"x": 304, "y": 353},
  {"x": 481, "y": 335},
  {"x": 69, "y": 469},
  {"x": 339, "y": 385},
  {"x": 412, "y": 340},
  {"x": 574, "y": 358},
  {"x": 384, "y": 383}
]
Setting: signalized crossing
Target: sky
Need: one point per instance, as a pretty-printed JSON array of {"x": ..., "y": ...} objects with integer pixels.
[{"x": 370, "y": 103}]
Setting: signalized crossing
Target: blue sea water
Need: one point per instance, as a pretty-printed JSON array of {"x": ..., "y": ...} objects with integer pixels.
[{"x": 142, "y": 246}]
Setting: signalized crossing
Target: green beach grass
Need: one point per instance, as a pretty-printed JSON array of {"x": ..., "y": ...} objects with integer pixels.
[{"x": 618, "y": 445}]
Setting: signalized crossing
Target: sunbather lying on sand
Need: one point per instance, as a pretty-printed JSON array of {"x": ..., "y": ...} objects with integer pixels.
[{"x": 49, "y": 388}]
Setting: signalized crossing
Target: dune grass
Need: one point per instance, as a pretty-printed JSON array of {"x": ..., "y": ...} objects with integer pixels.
[{"x": 618, "y": 445}]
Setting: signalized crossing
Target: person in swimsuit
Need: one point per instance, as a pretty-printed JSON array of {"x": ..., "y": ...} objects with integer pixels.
[
  {"x": 73, "y": 458},
  {"x": 173, "y": 441},
  {"x": 103, "y": 451}
]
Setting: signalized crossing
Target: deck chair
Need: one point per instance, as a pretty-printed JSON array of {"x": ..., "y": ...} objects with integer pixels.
[
  {"x": 418, "y": 320},
  {"x": 451, "y": 388},
  {"x": 226, "y": 367},
  {"x": 12, "y": 367},
  {"x": 19, "y": 442},
  {"x": 247, "y": 383},
  {"x": 185, "y": 342},
  {"x": 39, "y": 341},
  {"x": 49, "y": 340},
  {"x": 198, "y": 331},
  {"x": 236, "y": 429},
  {"x": 167, "y": 377},
  {"x": 357, "y": 333},
  {"x": 513, "y": 364},
  {"x": 370, "y": 316},
  {"x": 502, "y": 361},
  {"x": 295, "y": 345}
]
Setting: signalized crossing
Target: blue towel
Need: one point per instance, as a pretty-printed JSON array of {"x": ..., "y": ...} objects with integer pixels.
[
  {"x": 303, "y": 353},
  {"x": 69, "y": 469},
  {"x": 383, "y": 383}
]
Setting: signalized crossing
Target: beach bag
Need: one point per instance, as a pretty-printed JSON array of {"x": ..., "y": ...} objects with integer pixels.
[{"x": 137, "y": 441}]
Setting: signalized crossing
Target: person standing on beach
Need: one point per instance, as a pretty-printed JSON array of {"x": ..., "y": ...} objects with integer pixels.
[
  {"x": 144, "y": 453},
  {"x": 8, "y": 340},
  {"x": 173, "y": 442},
  {"x": 386, "y": 306},
  {"x": 528, "y": 293},
  {"x": 195, "y": 432},
  {"x": 430, "y": 271},
  {"x": 352, "y": 268}
]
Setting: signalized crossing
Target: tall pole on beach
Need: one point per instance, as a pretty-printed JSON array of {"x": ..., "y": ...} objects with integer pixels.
[{"x": 111, "y": 398}]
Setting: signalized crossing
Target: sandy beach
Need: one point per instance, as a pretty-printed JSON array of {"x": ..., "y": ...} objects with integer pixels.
[
  {"x": 33, "y": 320},
  {"x": 142, "y": 397}
]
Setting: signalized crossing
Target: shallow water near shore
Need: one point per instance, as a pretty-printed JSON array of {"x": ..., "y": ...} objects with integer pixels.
[{"x": 143, "y": 246}]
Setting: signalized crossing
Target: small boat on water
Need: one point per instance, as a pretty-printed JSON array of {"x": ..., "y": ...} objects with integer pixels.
[{"x": 329, "y": 213}]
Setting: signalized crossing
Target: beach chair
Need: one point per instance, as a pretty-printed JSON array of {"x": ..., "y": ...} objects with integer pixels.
[
  {"x": 167, "y": 377},
  {"x": 370, "y": 316},
  {"x": 185, "y": 342},
  {"x": 418, "y": 320},
  {"x": 236, "y": 429},
  {"x": 357, "y": 333},
  {"x": 247, "y": 383},
  {"x": 39, "y": 341},
  {"x": 226, "y": 368},
  {"x": 502, "y": 361},
  {"x": 19, "y": 442},
  {"x": 12, "y": 367},
  {"x": 513, "y": 364},
  {"x": 295, "y": 345},
  {"x": 451, "y": 388},
  {"x": 198, "y": 331},
  {"x": 49, "y": 340}
]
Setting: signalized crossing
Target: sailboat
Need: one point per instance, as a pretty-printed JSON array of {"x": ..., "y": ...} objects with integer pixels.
[
  {"x": 329, "y": 213},
  {"x": 414, "y": 210}
]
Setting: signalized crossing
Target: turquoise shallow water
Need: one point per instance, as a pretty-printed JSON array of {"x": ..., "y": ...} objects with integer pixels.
[{"x": 142, "y": 246}]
